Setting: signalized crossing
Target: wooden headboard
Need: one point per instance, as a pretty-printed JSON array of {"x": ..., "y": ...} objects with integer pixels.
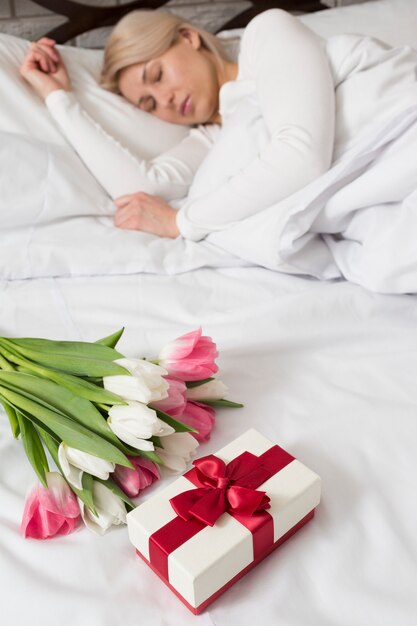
[{"x": 83, "y": 17}]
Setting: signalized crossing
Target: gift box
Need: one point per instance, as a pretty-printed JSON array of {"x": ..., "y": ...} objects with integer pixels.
[{"x": 211, "y": 526}]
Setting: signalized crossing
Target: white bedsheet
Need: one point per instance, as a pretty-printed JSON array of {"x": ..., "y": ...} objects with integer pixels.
[
  {"x": 357, "y": 221},
  {"x": 327, "y": 370},
  {"x": 58, "y": 222}
]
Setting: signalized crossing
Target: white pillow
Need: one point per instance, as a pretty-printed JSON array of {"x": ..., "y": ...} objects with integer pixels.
[
  {"x": 23, "y": 112},
  {"x": 392, "y": 21}
]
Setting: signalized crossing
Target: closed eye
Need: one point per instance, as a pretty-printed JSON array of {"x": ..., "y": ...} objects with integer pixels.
[{"x": 147, "y": 104}]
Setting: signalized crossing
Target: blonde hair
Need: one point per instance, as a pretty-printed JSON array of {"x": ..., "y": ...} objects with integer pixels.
[{"x": 143, "y": 35}]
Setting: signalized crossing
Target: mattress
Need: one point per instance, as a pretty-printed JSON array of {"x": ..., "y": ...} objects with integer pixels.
[{"x": 325, "y": 369}]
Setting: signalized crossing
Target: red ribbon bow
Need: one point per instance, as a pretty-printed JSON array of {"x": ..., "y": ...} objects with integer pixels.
[{"x": 224, "y": 488}]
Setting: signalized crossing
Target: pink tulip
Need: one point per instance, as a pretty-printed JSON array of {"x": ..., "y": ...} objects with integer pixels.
[
  {"x": 52, "y": 511},
  {"x": 200, "y": 417},
  {"x": 190, "y": 357},
  {"x": 132, "y": 481},
  {"x": 174, "y": 404}
]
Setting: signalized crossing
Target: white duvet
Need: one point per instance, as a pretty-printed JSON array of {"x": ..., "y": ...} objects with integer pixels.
[{"x": 357, "y": 221}]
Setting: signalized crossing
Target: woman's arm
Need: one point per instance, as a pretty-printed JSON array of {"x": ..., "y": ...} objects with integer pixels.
[
  {"x": 296, "y": 95},
  {"x": 169, "y": 175},
  {"x": 116, "y": 169}
]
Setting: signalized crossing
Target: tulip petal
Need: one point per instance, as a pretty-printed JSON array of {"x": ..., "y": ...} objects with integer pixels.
[
  {"x": 128, "y": 480},
  {"x": 178, "y": 450},
  {"x": 141, "y": 366},
  {"x": 50, "y": 511},
  {"x": 190, "y": 357},
  {"x": 128, "y": 387},
  {"x": 134, "y": 481},
  {"x": 72, "y": 474},
  {"x": 201, "y": 418},
  {"x": 174, "y": 403},
  {"x": 182, "y": 346},
  {"x": 128, "y": 437},
  {"x": 212, "y": 390},
  {"x": 110, "y": 510},
  {"x": 74, "y": 462}
]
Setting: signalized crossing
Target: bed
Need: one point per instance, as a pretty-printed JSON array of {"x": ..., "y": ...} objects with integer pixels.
[{"x": 324, "y": 368}]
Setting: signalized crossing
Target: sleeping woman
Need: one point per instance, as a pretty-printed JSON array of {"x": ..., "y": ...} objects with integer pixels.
[{"x": 261, "y": 128}]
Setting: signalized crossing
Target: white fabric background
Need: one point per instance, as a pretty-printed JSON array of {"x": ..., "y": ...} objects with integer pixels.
[{"x": 327, "y": 370}]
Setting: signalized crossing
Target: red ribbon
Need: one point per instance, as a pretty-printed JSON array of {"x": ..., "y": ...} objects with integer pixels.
[
  {"x": 228, "y": 488},
  {"x": 260, "y": 523}
]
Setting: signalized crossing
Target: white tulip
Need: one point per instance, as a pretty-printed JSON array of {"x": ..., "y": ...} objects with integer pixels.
[
  {"x": 177, "y": 452},
  {"x": 135, "y": 422},
  {"x": 212, "y": 390},
  {"x": 74, "y": 462},
  {"x": 128, "y": 388},
  {"x": 150, "y": 373},
  {"x": 110, "y": 510}
]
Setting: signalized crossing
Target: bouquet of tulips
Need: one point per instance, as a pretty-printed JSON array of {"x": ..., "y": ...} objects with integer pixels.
[{"x": 111, "y": 425}]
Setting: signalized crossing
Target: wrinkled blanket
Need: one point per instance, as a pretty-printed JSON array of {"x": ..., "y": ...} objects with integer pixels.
[{"x": 358, "y": 221}]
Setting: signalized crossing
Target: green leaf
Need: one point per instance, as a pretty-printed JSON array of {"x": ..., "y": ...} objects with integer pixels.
[
  {"x": 41, "y": 427},
  {"x": 10, "y": 354},
  {"x": 14, "y": 422},
  {"x": 197, "y": 383},
  {"x": 179, "y": 427},
  {"x": 222, "y": 403},
  {"x": 78, "y": 358},
  {"x": 156, "y": 441},
  {"x": 151, "y": 456},
  {"x": 4, "y": 364},
  {"x": 51, "y": 444},
  {"x": 71, "y": 432},
  {"x": 77, "y": 385},
  {"x": 111, "y": 340},
  {"x": 86, "y": 493},
  {"x": 65, "y": 348},
  {"x": 110, "y": 484},
  {"x": 57, "y": 398},
  {"x": 76, "y": 408},
  {"x": 33, "y": 448}
]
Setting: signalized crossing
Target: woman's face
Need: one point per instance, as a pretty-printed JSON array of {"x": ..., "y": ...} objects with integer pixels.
[{"x": 181, "y": 86}]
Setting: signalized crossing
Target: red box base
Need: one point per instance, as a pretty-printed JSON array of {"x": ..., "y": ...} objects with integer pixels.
[{"x": 231, "y": 582}]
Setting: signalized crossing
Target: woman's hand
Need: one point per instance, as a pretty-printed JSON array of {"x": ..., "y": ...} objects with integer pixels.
[
  {"x": 141, "y": 211},
  {"x": 44, "y": 69}
]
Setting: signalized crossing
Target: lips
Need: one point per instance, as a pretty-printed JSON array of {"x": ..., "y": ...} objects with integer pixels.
[{"x": 185, "y": 106}]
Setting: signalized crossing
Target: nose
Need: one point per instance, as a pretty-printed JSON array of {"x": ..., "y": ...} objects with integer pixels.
[{"x": 165, "y": 98}]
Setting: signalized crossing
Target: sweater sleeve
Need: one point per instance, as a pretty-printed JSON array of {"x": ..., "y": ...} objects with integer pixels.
[
  {"x": 294, "y": 85},
  {"x": 120, "y": 172}
]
